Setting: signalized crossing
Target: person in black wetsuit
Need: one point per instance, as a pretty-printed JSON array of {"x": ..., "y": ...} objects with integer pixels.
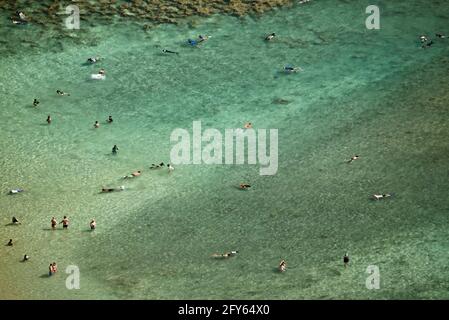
[{"x": 168, "y": 51}]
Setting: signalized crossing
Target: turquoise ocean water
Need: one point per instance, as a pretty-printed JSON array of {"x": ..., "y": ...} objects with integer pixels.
[{"x": 375, "y": 93}]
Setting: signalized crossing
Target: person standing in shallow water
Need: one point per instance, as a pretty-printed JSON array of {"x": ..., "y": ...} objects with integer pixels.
[
  {"x": 49, "y": 119},
  {"x": 96, "y": 125},
  {"x": 10, "y": 243},
  {"x": 65, "y": 222},
  {"x": 114, "y": 149},
  {"x": 93, "y": 224},
  {"x": 53, "y": 223},
  {"x": 110, "y": 120},
  {"x": 346, "y": 260}
]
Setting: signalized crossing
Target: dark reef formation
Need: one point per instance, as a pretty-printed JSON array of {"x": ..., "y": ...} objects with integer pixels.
[{"x": 153, "y": 11}]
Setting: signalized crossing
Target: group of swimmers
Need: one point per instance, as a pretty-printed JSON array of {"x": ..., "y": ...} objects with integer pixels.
[
  {"x": 65, "y": 222},
  {"x": 108, "y": 120},
  {"x": 65, "y": 225},
  {"x": 426, "y": 42},
  {"x": 52, "y": 269}
]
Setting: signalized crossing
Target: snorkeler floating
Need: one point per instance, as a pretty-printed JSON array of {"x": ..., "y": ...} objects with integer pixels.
[
  {"x": 244, "y": 186},
  {"x": 93, "y": 59},
  {"x": 168, "y": 51},
  {"x": 15, "y": 191},
  {"x": 270, "y": 37},
  {"x": 381, "y": 196},
  {"x": 105, "y": 190},
  {"x": 62, "y": 93},
  {"x": 201, "y": 38},
  {"x": 157, "y": 166},
  {"x": 132, "y": 175},
  {"x": 225, "y": 255},
  {"x": 353, "y": 158},
  {"x": 291, "y": 69}
]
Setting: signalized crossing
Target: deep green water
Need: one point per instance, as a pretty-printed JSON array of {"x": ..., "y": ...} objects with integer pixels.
[{"x": 375, "y": 93}]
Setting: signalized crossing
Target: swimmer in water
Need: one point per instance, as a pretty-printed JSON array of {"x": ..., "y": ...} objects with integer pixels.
[
  {"x": 35, "y": 103},
  {"x": 157, "y": 166},
  {"x": 244, "y": 186},
  {"x": 132, "y": 175},
  {"x": 21, "y": 15},
  {"x": 427, "y": 44},
  {"x": 93, "y": 59},
  {"x": 105, "y": 190},
  {"x": 114, "y": 149},
  {"x": 282, "y": 265},
  {"x": 225, "y": 255},
  {"x": 202, "y": 38},
  {"x": 10, "y": 243},
  {"x": 93, "y": 224},
  {"x": 291, "y": 69},
  {"x": 20, "y": 22},
  {"x": 49, "y": 119},
  {"x": 110, "y": 120},
  {"x": 270, "y": 36},
  {"x": 248, "y": 125},
  {"x": 14, "y": 191},
  {"x": 381, "y": 196},
  {"x": 423, "y": 38},
  {"x": 192, "y": 42},
  {"x": 15, "y": 221},
  {"x": 439, "y": 35},
  {"x": 102, "y": 72},
  {"x": 62, "y": 93},
  {"x": 96, "y": 125},
  {"x": 168, "y": 51},
  {"x": 353, "y": 158}
]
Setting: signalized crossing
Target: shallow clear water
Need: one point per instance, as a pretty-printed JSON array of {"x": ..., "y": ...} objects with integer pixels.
[{"x": 366, "y": 92}]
